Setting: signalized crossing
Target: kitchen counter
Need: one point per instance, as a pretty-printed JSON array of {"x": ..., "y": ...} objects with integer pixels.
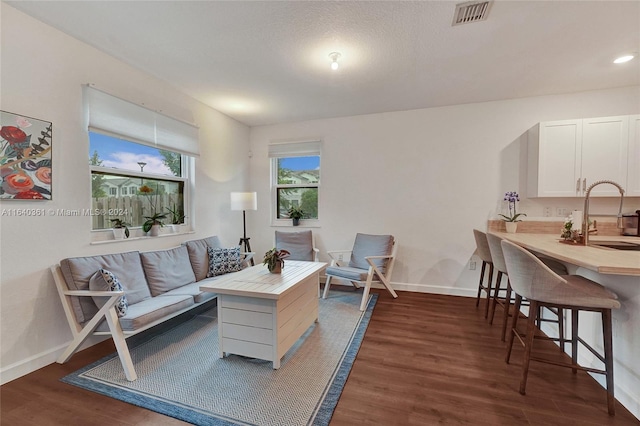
[{"x": 598, "y": 259}]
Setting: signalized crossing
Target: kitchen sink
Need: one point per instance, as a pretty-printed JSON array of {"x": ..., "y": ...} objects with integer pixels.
[{"x": 616, "y": 245}]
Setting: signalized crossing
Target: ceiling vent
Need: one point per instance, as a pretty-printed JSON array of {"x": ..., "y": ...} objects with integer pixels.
[{"x": 471, "y": 11}]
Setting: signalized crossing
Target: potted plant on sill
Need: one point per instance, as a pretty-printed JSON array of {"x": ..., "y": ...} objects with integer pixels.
[
  {"x": 274, "y": 259},
  {"x": 120, "y": 229},
  {"x": 511, "y": 221},
  {"x": 154, "y": 222},
  {"x": 295, "y": 213},
  {"x": 176, "y": 216}
]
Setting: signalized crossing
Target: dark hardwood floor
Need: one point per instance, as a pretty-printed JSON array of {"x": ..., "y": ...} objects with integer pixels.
[{"x": 425, "y": 359}]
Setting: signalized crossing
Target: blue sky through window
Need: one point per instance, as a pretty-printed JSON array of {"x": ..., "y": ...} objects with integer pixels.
[
  {"x": 300, "y": 163},
  {"x": 121, "y": 154}
]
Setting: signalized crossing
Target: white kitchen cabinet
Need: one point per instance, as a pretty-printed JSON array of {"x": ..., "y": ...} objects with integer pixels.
[
  {"x": 567, "y": 156},
  {"x": 633, "y": 172}
]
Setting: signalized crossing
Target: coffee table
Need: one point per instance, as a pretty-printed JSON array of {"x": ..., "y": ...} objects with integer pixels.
[{"x": 260, "y": 314}]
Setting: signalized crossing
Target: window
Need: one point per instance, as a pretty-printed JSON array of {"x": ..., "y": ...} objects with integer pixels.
[
  {"x": 139, "y": 162},
  {"x": 295, "y": 178},
  {"x": 158, "y": 170}
]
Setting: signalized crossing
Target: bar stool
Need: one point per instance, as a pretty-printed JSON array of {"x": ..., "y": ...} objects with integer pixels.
[
  {"x": 499, "y": 262},
  {"x": 484, "y": 253},
  {"x": 532, "y": 279},
  {"x": 501, "y": 266}
]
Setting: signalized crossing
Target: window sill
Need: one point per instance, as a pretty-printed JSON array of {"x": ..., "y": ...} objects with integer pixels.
[
  {"x": 288, "y": 223},
  {"x": 106, "y": 236}
]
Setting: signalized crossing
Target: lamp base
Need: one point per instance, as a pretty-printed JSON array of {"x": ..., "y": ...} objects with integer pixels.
[{"x": 244, "y": 242}]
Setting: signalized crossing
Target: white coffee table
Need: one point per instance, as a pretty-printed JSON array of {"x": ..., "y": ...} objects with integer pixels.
[{"x": 260, "y": 314}]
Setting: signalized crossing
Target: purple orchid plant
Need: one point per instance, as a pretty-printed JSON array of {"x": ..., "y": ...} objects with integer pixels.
[{"x": 512, "y": 198}]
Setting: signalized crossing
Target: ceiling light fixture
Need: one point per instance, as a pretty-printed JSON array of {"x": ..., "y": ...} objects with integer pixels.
[
  {"x": 623, "y": 59},
  {"x": 334, "y": 60}
]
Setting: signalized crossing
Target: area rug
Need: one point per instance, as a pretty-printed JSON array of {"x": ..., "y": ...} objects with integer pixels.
[{"x": 180, "y": 374}]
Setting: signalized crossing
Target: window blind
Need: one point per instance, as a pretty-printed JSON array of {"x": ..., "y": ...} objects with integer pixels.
[
  {"x": 294, "y": 149},
  {"x": 117, "y": 117}
]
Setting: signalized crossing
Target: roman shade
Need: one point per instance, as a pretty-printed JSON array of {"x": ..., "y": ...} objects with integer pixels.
[
  {"x": 294, "y": 149},
  {"x": 113, "y": 116}
]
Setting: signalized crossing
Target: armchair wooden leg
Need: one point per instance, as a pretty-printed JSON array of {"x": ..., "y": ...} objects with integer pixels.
[{"x": 327, "y": 284}]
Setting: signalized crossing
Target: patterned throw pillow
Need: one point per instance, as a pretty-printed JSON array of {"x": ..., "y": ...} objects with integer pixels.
[
  {"x": 223, "y": 260},
  {"x": 104, "y": 280}
]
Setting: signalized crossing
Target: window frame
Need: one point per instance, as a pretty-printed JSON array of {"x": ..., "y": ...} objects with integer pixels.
[
  {"x": 293, "y": 149},
  {"x": 186, "y": 166}
]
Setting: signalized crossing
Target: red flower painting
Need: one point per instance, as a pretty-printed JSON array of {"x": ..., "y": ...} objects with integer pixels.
[{"x": 25, "y": 157}]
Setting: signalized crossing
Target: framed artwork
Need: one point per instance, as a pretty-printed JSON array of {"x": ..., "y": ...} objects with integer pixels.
[{"x": 25, "y": 157}]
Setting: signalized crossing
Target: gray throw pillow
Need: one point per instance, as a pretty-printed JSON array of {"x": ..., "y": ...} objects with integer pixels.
[
  {"x": 223, "y": 261},
  {"x": 104, "y": 280}
]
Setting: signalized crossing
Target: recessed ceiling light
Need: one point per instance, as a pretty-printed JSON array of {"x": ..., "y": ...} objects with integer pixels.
[
  {"x": 623, "y": 59},
  {"x": 334, "y": 60}
]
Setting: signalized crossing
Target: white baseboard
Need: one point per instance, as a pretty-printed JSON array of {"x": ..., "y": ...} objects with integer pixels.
[
  {"x": 35, "y": 362},
  {"x": 26, "y": 366},
  {"x": 417, "y": 288}
]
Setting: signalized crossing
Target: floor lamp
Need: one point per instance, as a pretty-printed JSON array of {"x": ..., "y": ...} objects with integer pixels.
[{"x": 244, "y": 201}]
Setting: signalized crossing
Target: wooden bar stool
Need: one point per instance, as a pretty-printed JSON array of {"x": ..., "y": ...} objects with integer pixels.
[
  {"x": 483, "y": 251},
  {"x": 532, "y": 279}
]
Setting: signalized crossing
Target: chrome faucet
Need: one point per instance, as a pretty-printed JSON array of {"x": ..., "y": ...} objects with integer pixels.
[{"x": 585, "y": 225}]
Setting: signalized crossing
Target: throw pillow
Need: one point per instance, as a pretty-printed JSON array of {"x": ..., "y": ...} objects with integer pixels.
[
  {"x": 223, "y": 260},
  {"x": 104, "y": 280}
]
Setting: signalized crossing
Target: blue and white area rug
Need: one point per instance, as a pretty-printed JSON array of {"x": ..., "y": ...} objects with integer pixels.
[{"x": 180, "y": 374}]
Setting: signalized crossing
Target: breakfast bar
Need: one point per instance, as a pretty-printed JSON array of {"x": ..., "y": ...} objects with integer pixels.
[{"x": 599, "y": 259}]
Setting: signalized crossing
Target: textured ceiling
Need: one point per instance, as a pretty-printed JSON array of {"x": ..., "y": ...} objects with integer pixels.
[{"x": 267, "y": 62}]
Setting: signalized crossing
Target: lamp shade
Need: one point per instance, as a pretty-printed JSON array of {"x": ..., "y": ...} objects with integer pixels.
[{"x": 244, "y": 201}]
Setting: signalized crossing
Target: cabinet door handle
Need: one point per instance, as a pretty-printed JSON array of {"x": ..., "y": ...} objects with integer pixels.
[
  {"x": 577, "y": 185},
  {"x": 584, "y": 185}
]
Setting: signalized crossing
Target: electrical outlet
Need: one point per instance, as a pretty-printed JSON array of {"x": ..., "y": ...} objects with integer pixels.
[
  {"x": 562, "y": 212},
  {"x": 472, "y": 265},
  {"x": 340, "y": 257},
  {"x": 548, "y": 212}
]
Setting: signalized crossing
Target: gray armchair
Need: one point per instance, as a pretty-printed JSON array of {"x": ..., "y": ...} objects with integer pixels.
[
  {"x": 371, "y": 259},
  {"x": 300, "y": 245}
]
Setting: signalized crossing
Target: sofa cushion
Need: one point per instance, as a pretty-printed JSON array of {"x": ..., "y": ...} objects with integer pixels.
[
  {"x": 127, "y": 267},
  {"x": 149, "y": 310},
  {"x": 223, "y": 260},
  {"x": 192, "y": 290},
  {"x": 167, "y": 269},
  {"x": 370, "y": 245},
  {"x": 199, "y": 256},
  {"x": 104, "y": 280}
]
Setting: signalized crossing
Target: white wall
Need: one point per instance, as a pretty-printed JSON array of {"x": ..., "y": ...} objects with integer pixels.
[
  {"x": 429, "y": 177},
  {"x": 42, "y": 72}
]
